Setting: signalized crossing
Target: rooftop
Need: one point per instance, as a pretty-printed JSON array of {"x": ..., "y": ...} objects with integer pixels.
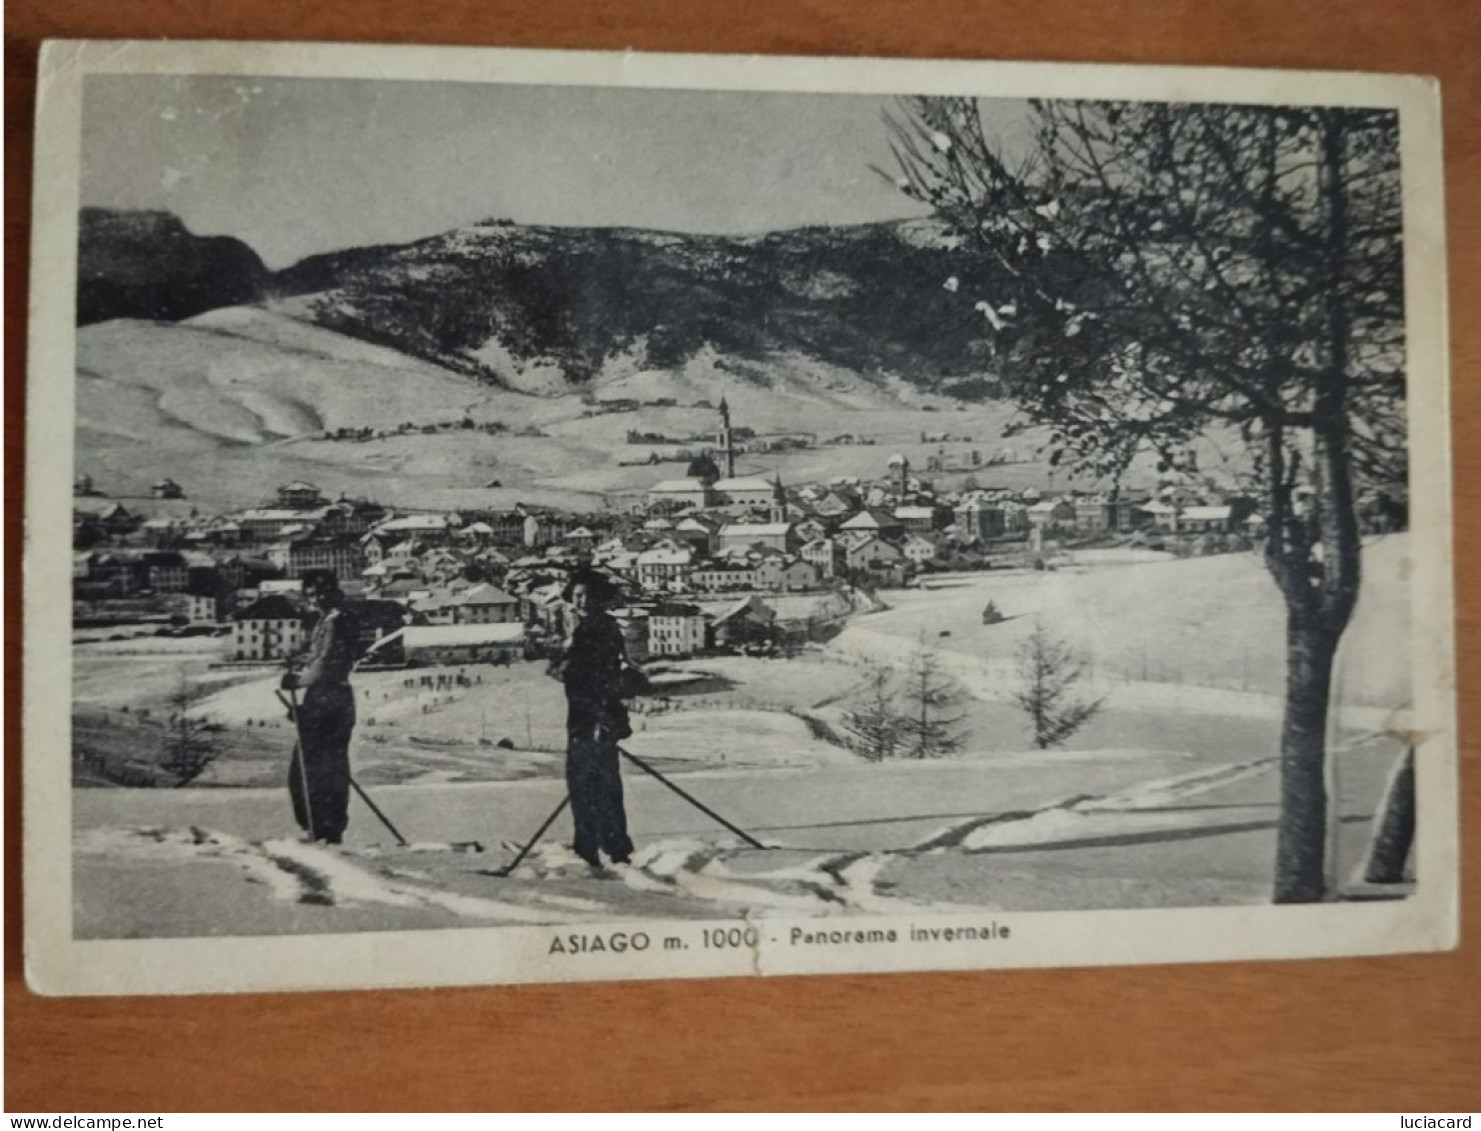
[
  {"x": 458, "y": 635},
  {"x": 665, "y": 557},
  {"x": 415, "y": 522},
  {"x": 488, "y": 595},
  {"x": 272, "y": 607},
  {"x": 278, "y": 514},
  {"x": 749, "y": 529},
  {"x": 867, "y": 520},
  {"x": 674, "y": 610}
]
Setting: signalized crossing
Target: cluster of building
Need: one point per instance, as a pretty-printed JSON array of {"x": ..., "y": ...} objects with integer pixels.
[
  {"x": 723, "y": 533},
  {"x": 696, "y": 558}
]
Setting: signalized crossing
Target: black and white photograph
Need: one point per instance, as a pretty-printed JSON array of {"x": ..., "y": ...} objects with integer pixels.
[{"x": 543, "y": 517}]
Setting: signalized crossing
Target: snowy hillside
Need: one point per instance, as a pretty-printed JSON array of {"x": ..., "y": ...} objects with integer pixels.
[{"x": 1215, "y": 623}]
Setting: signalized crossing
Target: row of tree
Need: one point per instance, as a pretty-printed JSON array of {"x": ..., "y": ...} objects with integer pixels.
[{"x": 917, "y": 713}]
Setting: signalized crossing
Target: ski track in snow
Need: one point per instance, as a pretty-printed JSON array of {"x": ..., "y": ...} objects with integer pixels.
[
  {"x": 1138, "y": 810},
  {"x": 310, "y": 874},
  {"x": 723, "y": 874}
]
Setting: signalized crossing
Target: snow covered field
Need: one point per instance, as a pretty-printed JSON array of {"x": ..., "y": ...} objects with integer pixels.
[
  {"x": 1034, "y": 832},
  {"x": 1215, "y": 622},
  {"x": 1167, "y": 798}
]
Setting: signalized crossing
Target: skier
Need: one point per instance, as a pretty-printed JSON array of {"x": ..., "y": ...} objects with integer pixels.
[
  {"x": 326, "y": 713},
  {"x": 594, "y": 667}
]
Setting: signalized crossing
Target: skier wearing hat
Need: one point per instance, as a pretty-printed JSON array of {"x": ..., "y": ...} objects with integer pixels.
[
  {"x": 319, "y": 778},
  {"x": 593, "y": 667}
]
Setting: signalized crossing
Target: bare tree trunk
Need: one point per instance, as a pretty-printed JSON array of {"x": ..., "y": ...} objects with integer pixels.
[
  {"x": 1300, "y": 860},
  {"x": 1394, "y": 836}
]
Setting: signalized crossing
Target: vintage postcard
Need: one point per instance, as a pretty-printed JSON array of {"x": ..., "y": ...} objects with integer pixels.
[{"x": 545, "y": 516}]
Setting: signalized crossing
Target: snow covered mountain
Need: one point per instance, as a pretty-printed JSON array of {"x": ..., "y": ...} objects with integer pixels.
[{"x": 499, "y": 300}]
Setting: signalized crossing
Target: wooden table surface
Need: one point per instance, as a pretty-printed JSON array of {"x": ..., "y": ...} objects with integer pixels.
[{"x": 1395, "y": 1033}]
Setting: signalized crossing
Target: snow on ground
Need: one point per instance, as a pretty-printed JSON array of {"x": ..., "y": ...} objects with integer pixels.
[
  {"x": 1032, "y": 832},
  {"x": 1202, "y": 634}
]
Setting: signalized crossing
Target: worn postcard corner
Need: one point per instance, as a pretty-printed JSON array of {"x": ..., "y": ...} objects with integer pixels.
[{"x": 544, "y": 516}]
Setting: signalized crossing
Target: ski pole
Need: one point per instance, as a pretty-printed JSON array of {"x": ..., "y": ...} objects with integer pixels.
[
  {"x": 700, "y": 805},
  {"x": 376, "y": 809},
  {"x": 525, "y": 851},
  {"x": 291, "y": 704}
]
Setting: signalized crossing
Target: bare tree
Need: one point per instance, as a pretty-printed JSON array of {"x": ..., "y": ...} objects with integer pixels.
[
  {"x": 873, "y": 726},
  {"x": 930, "y": 719},
  {"x": 1050, "y": 672},
  {"x": 190, "y": 742},
  {"x": 1154, "y": 273}
]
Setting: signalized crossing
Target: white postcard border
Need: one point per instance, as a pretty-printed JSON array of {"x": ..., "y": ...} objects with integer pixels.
[{"x": 58, "y": 964}]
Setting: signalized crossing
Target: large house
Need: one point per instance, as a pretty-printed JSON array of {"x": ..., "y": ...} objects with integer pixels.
[
  {"x": 676, "y": 630},
  {"x": 300, "y": 494},
  {"x": 270, "y": 628},
  {"x": 485, "y": 604},
  {"x": 207, "y": 599},
  {"x": 665, "y": 568},
  {"x": 1205, "y": 520},
  {"x": 784, "y": 573},
  {"x": 1123, "y": 513},
  {"x": 723, "y": 575},
  {"x": 166, "y": 571},
  {"x": 340, "y": 554},
  {"x": 437, "y": 608},
  {"x": 917, "y": 519},
  {"x": 868, "y": 552},
  {"x": 920, "y": 549},
  {"x": 874, "y": 522},
  {"x": 825, "y": 555},
  {"x": 980, "y": 517},
  {"x": 270, "y": 524}
]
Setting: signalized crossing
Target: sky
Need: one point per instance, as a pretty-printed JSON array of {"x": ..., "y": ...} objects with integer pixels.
[{"x": 299, "y": 166}]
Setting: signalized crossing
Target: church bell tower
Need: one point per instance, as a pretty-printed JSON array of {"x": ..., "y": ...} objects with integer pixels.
[
  {"x": 778, "y": 501},
  {"x": 726, "y": 444}
]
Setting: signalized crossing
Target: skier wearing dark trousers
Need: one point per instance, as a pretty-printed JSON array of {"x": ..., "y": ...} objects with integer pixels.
[
  {"x": 326, "y": 714},
  {"x": 592, "y": 667}
]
